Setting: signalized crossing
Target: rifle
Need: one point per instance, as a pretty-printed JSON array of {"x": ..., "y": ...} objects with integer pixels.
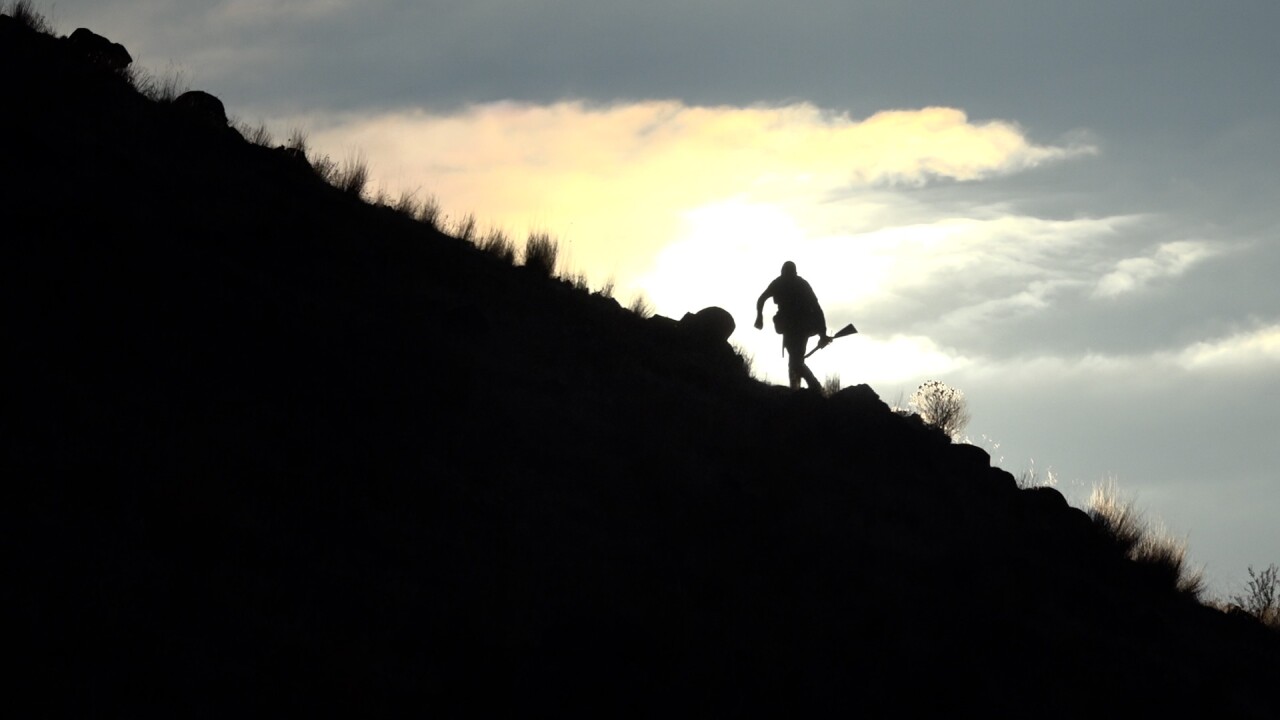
[{"x": 846, "y": 330}]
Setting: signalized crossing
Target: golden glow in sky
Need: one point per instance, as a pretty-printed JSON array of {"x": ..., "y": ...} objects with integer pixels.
[{"x": 698, "y": 206}]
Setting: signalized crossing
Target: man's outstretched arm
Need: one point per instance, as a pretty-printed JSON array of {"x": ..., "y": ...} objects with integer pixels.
[{"x": 760, "y": 306}]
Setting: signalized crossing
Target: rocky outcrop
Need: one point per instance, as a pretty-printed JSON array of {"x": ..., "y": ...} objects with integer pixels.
[
  {"x": 713, "y": 323},
  {"x": 100, "y": 50},
  {"x": 201, "y": 107}
]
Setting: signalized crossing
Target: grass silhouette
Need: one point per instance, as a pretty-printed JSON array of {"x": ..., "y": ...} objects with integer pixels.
[
  {"x": 25, "y": 13},
  {"x": 258, "y": 134},
  {"x": 497, "y": 243},
  {"x": 831, "y": 384},
  {"x": 161, "y": 89},
  {"x": 540, "y": 254},
  {"x": 640, "y": 306},
  {"x": 1163, "y": 559}
]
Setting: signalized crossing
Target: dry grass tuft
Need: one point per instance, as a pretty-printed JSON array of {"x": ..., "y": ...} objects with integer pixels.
[
  {"x": 465, "y": 229},
  {"x": 429, "y": 212},
  {"x": 407, "y": 203},
  {"x": 25, "y": 13},
  {"x": 831, "y": 385},
  {"x": 1162, "y": 558},
  {"x": 541, "y": 253},
  {"x": 162, "y": 89},
  {"x": 640, "y": 306},
  {"x": 747, "y": 359},
  {"x": 498, "y": 244},
  {"x": 297, "y": 140},
  {"x": 606, "y": 290},
  {"x": 1031, "y": 477},
  {"x": 255, "y": 134},
  {"x": 350, "y": 176},
  {"x": 353, "y": 175}
]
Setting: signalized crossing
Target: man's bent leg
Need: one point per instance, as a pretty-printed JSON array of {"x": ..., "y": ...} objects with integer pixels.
[
  {"x": 808, "y": 376},
  {"x": 796, "y": 369}
]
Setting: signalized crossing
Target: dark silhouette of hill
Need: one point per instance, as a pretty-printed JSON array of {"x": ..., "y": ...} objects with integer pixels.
[{"x": 272, "y": 447}]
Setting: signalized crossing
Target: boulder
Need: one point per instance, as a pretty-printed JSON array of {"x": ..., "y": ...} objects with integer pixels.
[
  {"x": 201, "y": 107},
  {"x": 1043, "y": 499},
  {"x": 712, "y": 323},
  {"x": 100, "y": 50},
  {"x": 969, "y": 459}
]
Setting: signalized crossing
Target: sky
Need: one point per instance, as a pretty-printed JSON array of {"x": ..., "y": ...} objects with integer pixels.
[{"x": 1067, "y": 211}]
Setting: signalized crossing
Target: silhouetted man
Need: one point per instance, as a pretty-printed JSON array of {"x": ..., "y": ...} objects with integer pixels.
[{"x": 799, "y": 316}]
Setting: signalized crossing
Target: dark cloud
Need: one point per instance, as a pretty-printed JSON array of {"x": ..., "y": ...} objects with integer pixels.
[{"x": 1182, "y": 66}]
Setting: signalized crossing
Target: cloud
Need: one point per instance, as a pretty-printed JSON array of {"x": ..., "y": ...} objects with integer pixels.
[
  {"x": 1032, "y": 298},
  {"x": 618, "y": 182},
  {"x": 1169, "y": 260},
  {"x": 1257, "y": 349},
  {"x": 910, "y": 146},
  {"x": 1251, "y": 348}
]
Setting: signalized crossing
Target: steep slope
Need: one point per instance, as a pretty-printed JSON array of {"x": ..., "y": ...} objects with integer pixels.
[{"x": 270, "y": 442}]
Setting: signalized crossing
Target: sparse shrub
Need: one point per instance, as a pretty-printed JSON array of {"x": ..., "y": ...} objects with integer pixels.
[
  {"x": 540, "y": 253},
  {"x": 1162, "y": 558},
  {"x": 25, "y": 13},
  {"x": 1261, "y": 597},
  {"x": 941, "y": 406},
  {"x": 496, "y": 243},
  {"x": 640, "y": 306},
  {"x": 580, "y": 282},
  {"x": 831, "y": 385}
]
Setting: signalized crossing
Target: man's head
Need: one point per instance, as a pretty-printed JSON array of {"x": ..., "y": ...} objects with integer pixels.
[{"x": 788, "y": 269}]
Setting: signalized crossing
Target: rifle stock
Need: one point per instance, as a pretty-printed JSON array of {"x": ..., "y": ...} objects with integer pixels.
[{"x": 842, "y": 332}]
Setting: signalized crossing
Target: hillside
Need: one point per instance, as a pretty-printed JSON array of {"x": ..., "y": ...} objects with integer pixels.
[{"x": 272, "y": 446}]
